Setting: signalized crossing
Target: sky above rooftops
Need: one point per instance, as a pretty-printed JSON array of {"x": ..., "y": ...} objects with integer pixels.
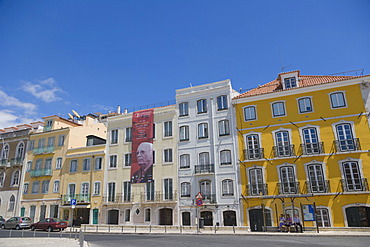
[{"x": 91, "y": 56}]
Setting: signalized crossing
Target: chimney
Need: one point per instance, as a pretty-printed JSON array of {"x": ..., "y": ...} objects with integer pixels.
[
  {"x": 125, "y": 111},
  {"x": 119, "y": 109}
]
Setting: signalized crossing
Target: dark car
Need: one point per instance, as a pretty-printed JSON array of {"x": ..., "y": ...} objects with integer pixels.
[
  {"x": 1, "y": 219},
  {"x": 50, "y": 224},
  {"x": 17, "y": 223}
]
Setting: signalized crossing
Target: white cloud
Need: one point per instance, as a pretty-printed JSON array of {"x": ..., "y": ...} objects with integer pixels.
[
  {"x": 6, "y": 100},
  {"x": 102, "y": 107},
  {"x": 46, "y": 90},
  {"x": 9, "y": 119}
]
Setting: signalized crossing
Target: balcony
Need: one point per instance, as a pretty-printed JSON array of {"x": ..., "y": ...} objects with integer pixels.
[
  {"x": 312, "y": 148},
  {"x": 288, "y": 188},
  {"x": 254, "y": 154},
  {"x": 3, "y": 162},
  {"x": 158, "y": 196},
  {"x": 209, "y": 199},
  {"x": 47, "y": 128},
  {"x": 284, "y": 151},
  {"x": 322, "y": 186},
  {"x": 257, "y": 189},
  {"x": 352, "y": 185},
  {"x": 16, "y": 161},
  {"x": 347, "y": 145},
  {"x": 202, "y": 169},
  {"x": 80, "y": 198},
  {"x": 118, "y": 199},
  {"x": 40, "y": 172},
  {"x": 43, "y": 150}
]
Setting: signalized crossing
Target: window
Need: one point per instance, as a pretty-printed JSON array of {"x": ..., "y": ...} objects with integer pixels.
[
  {"x": 45, "y": 186},
  {"x": 56, "y": 186},
  {"x": 278, "y": 109},
  {"x": 73, "y": 166},
  {"x": 114, "y": 136},
  {"x": 58, "y": 163},
  {"x": 205, "y": 188},
  {"x": 283, "y": 147},
  {"x": 128, "y": 134},
  {"x": 147, "y": 215},
  {"x": 20, "y": 150},
  {"x": 71, "y": 191},
  {"x": 111, "y": 192},
  {"x": 2, "y": 178},
  {"x": 41, "y": 143},
  {"x": 184, "y": 133},
  {"x": 127, "y": 215},
  {"x": 167, "y": 155},
  {"x": 168, "y": 129},
  {"x": 86, "y": 165},
  {"x": 311, "y": 143},
  {"x": 85, "y": 188},
  {"x": 38, "y": 164},
  {"x": 227, "y": 187},
  {"x": 35, "y": 187},
  {"x": 225, "y": 157},
  {"x": 223, "y": 128},
  {"x": 51, "y": 141},
  {"x": 168, "y": 189},
  {"x": 250, "y": 113},
  {"x": 202, "y": 106},
  {"x": 183, "y": 109},
  {"x": 126, "y": 191},
  {"x": 113, "y": 161},
  {"x": 98, "y": 163},
  {"x": 204, "y": 158},
  {"x": 184, "y": 161},
  {"x": 5, "y": 152},
  {"x": 11, "y": 203},
  {"x": 61, "y": 140},
  {"x": 222, "y": 102},
  {"x": 305, "y": 105},
  {"x": 256, "y": 186},
  {"x": 316, "y": 179},
  {"x": 25, "y": 189},
  {"x": 150, "y": 191},
  {"x": 49, "y": 123},
  {"x": 97, "y": 188},
  {"x": 202, "y": 130},
  {"x": 323, "y": 219},
  {"x": 31, "y": 145},
  {"x": 337, "y": 100},
  {"x": 48, "y": 164},
  {"x": 253, "y": 151},
  {"x": 15, "y": 178},
  {"x": 29, "y": 166},
  {"x": 352, "y": 177},
  {"x": 128, "y": 159},
  {"x": 185, "y": 189},
  {"x": 345, "y": 141},
  {"x": 287, "y": 179},
  {"x": 290, "y": 82},
  {"x": 153, "y": 130}
]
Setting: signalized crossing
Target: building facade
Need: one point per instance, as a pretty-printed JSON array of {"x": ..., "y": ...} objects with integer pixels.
[
  {"x": 303, "y": 145},
  {"x": 207, "y": 155}
]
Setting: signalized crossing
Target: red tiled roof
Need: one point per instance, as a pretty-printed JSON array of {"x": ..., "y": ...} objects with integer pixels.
[{"x": 304, "y": 81}]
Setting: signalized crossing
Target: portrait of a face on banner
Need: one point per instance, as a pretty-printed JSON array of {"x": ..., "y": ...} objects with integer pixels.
[{"x": 142, "y": 147}]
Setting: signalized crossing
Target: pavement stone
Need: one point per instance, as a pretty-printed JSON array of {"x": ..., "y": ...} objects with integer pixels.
[{"x": 55, "y": 242}]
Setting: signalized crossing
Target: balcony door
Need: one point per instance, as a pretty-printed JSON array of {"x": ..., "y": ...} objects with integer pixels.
[
  {"x": 255, "y": 181},
  {"x": 287, "y": 178},
  {"x": 253, "y": 147},
  {"x": 311, "y": 141},
  {"x": 205, "y": 189},
  {"x": 316, "y": 178},
  {"x": 352, "y": 176},
  {"x": 71, "y": 191},
  {"x": 282, "y": 143},
  {"x": 345, "y": 137}
]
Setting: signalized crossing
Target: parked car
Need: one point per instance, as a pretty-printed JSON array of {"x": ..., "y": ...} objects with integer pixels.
[
  {"x": 1, "y": 219},
  {"x": 17, "y": 223},
  {"x": 50, "y": 224}
]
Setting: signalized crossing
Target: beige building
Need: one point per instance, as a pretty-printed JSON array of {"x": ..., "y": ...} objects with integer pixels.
[
  {"x": 151, "y": 203},
  {"x": 42, "y": 192}
]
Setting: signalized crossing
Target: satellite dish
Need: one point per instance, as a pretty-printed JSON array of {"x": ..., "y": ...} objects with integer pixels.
[
  {"x": 70, "y": 115},
  {"x": 76, "y": 114}
]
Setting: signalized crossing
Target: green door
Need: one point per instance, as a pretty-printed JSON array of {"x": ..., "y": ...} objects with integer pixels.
[
  {"x": 95, "y": 216},
  {"x": 23, "y": 210}
]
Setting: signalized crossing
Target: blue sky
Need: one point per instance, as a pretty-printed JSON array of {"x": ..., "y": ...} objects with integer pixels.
[{"x": 93, "y": 55}]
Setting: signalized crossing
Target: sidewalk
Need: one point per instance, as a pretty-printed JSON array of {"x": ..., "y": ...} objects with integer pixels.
[{"x": 55, "y": 242}]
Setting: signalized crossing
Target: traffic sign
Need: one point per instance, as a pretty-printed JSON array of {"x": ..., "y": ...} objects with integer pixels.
[
  {"x": 199, "y": 202},
  {"x": 73, "y": 202}
]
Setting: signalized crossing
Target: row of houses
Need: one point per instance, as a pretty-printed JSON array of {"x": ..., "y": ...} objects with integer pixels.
[{"x": 297, "y": 145}]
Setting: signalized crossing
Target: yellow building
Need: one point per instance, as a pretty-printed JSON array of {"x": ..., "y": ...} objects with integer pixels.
[
  {"x": 304, "y": 145},
  {"x": 46, "y": 161}
]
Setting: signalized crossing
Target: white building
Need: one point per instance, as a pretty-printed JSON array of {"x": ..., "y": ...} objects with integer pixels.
[{"x": 207, "y": 155}]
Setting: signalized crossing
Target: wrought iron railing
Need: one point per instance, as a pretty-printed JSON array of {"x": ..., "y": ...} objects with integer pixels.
[
  {"x": 355, "y": 184},
  {"x": 208, "y": 168},
  {"x": 257, "y": 189},
  {"x": 347, "y": 145},
  {"x": 312, "y": 148},
  {"x": 288, "y": 188},
  {"x": 284, "y": 150},
  {"x": 80, "y": 198},
  {"x": 254, "y": 154},
  {"x": 319, "y": 186},
  {"x": 41, "y": 172},
  {"x": 43, "y": 150},
  {"x": 158, "y": 196},
  {"x": 16, "y": 161}
]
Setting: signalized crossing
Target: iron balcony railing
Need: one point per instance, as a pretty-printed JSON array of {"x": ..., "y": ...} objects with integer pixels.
[
  {"x": 312, "y": 148},
  {"x": 319, "y": 186},
  {"x": 3, "y": 162},
  {"x": 80, "y": 198},
  {"x": 118, "y": 198},
  {"x": 41, "y": 172},
  {"x": 47, "y": 128},
  {"x": 16, "y": 161},
  {"x": 254, "y": 154},
  {"x": 288, "y": 188},
  {"x": 257, "y": 189},
  {"x": 209, "y": 199},
  {"x": 158, "y": 196},
  {"x": 43, "y": 150},
  {"x": 284, "y": 150},
  {"x": 354, "y": 184},
  {"x": 347, "y": 145},
  {"x": 207, "y": 168}
]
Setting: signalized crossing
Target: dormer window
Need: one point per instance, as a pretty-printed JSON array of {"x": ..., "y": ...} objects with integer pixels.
[{"x": 290, "y": 82}]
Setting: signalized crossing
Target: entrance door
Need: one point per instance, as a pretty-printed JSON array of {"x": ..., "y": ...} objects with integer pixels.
[
  {"x": 23, "y": 210},
  {"x": 42, "y": 212},
  {"x": 165, "y": 216},
  {"x": 113, "y": 217},
  {"x": 256, "y": 219},
  {"x": 83, "y": 215},
  {"x": 32, "y": 213},
  {"x": 95, "y": 216},
  {"x": 186, "y": 218},
  {"x": 229, "y": 218},
  {"x": 358, "y": 216},
  {"x": 208, "y": 218}
]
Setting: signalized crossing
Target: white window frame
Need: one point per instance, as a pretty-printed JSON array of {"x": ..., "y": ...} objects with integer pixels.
[
  {"x": 343, "y": 93},
  {"x": 45, "y": 186},
  {"x": 168, "y": 155},
  {"x": 113, "y": 159},
  {"x": 35, "y": 187},
  {"x": 224, "y": 127},
  {"x": 184, "y": 161},
  {"x": 203, "y": 131},
  {"x": 20, "y": 150},
  {"x": 278, "y": 114},
  {"x": 75, "y": 161},
  {"x": 61, "y": 140},
  {"x": 25, "y": 188},
  {"x": 202, "y": 106},
  {"x": 185, "y": 189},
  {"x": 58, "y": 163},
  {"x": 183, "y": 109},
  {"x": 184, "y": 133},
  {"x": 252, "y": 113},
  {"x": 114, "y": 136},
  {"x": 127, "y": 160},
  {"x": 97, "y": 188},
  {"x": 100, "y": 167},
  {"x": 167, "y": 129},
  {"x": 2, "y": 178},
  {"x": 56, "y": 186},
  {"x": 15, "y": 178},
  {"x": 86, "y": 166},
  {"x": 227, "y": 186},
  {"x": 222, "y": 103},
  {"x": 228, "y": 159},
  {"x": 128, "y": 134},
  {"x": 299, "y": 105}
]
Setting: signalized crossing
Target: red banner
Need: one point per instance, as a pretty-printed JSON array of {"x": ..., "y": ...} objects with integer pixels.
[{"x": 142, "y": 146}]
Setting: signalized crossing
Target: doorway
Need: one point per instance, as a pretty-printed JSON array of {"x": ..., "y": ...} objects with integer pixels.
[
  {"x": 208, "y": 218},
  {"x": 358, "y": 216},
  {"x": 256, "y": 219},
  {"x": 229, "y": 218},
  {"x": 165, "y": 216},
  {"x": 113, "y": 217},
  {"x": 186, "y": 218}
]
